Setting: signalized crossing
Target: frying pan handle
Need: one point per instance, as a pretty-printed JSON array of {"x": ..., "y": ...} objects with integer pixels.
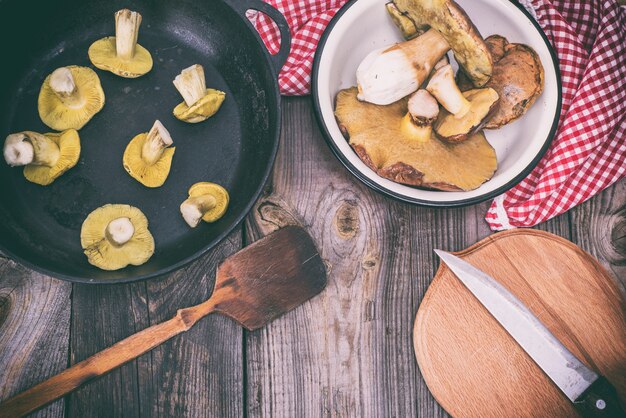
[{"x": 242, "y": 6}]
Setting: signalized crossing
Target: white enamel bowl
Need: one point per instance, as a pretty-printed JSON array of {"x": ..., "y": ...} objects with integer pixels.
[{"x": 363, "y": 25}]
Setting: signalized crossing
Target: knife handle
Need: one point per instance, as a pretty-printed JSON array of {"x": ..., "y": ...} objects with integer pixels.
[{"x": 599, "y": 400}]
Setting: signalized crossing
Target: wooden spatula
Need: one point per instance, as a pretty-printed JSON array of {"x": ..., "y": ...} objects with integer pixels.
[{"x": 253, "y": 287}]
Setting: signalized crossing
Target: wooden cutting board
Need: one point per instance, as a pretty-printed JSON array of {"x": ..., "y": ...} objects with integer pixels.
[{"x": 475, "y": 369}]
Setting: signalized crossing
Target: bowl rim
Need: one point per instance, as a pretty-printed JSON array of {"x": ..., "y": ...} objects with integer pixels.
[{"x": 371, "y": 183}]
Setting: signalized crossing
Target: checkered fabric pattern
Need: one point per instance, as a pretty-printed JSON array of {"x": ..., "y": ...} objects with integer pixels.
[{"x": 588, "y": 152}]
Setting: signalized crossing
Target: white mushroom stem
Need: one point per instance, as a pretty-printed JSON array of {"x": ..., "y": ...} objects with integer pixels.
[
  {"x": 389, "y": 74},
  {"x": 156, "y": 141},
  {"x": 442, "y": 62},
  {"x": 63, "y": 85},
  {"x": 422, "y": 112},
  {"x": 445, "y": 90},
  {"x": 191, "y": 84},
  {"x": 119, "y": 231},
  {"x": 26, "y": 148},
  {"x": 126, "y": 32},
  {"x": 194, "y": 208}
]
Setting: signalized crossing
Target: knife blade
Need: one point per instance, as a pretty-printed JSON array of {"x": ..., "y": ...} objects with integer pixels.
[{"x": 591, "y": 394}]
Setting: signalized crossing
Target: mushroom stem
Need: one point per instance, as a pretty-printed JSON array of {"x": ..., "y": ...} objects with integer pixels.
[
  {"x": 444, "y": 88},
  {"x": 63, "y": 85},
  {"x": 126, "y": 32},
  {"x": 191, "y": 84},
  {"x": 119, "y": 231},
  {"x": 156, "y": 141},
  {"x": 389, "y": 74},
  {"x": 26, "y": 148},
  {"x": 422, "y": 112},
  {"x": 194, "y": 208}
]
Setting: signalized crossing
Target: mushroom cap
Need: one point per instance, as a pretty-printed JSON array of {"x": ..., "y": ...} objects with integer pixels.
[
  {"x": 103, "y": 54},
  {"x": 59, "y": 116},
  {"x": 455, "y": 26},
  {"x": 483, "y": 103},
  {"x": 518, "y": 78},
  {"x": 376, "y": 134},
  {"x": 149, "y": 175},
  {"x": 203, "y": 109},
  {"x": 69, "y": 147},
  {"x": 218, "y": 192},
  {"x": 104, "y": 254}
]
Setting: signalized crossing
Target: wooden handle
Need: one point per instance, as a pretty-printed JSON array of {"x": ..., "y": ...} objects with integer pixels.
[
  {"x": 102, "y": 362},
  {"x": 599, "y": 400}
]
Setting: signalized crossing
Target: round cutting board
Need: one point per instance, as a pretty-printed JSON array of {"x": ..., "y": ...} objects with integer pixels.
[{"x": 474, "y": 368}]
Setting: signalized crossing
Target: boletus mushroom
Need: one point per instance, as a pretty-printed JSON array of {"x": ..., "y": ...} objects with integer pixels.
[
  {"x": 114, "y": 236},
  {"x": 70, "y": 97},
  {"x": 44, "y": 157},
  {"x": 465, "y": 113},
  {"x": 518, "y": 78},
  {"x": 121, "y": 54},
  {"x": 199, "y": 103},
  {"x": 397, "y": 148},
  {"x": 206, "y": 201},
  {"x": 407, "y": 27},
  {"x": 388, "y": 74},
  {"x": 148, "y": 156},
  {"x": 447, "y": 17}
]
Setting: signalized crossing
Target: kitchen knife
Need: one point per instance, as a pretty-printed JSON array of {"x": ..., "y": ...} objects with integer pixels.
[{"x": 592, "y": 395}]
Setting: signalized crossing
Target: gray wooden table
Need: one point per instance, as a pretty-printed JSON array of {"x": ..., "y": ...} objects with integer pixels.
[{"x": 347, "y": 353}]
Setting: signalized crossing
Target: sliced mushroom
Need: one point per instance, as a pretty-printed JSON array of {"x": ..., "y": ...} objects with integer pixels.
[
  {"x": 206, "y": 201},
  {"x": 70, "y": 97},
  {"x": 517, "y": 77},
  {"x": 200, "y": 103},
  {"x": 148, "y": 156},
  {"x": 482, "y": 104},
  {"x": 114, "y": 236},
  {"x": 384, "y": 143},
  {"x": 455, "y": 26},
  {"x": 44, "y": 157},
  {"x": 121, "y": 54},
  {"x": 422, "y": 111},
  {"x": 391, "y": 73}
]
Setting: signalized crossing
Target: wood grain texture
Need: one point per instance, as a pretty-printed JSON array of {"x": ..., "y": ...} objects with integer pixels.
[
  {"x": 34, "y": 330},
  {"x": 476, "y": 369},
  {"x": 197, "y": 374}
]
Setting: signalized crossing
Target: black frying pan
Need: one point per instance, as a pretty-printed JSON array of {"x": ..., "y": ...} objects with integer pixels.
[{"x": 40, "y": 226}]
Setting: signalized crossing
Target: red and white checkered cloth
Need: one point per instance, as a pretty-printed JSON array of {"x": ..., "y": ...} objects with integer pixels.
[{"x": 588, "y": 153}]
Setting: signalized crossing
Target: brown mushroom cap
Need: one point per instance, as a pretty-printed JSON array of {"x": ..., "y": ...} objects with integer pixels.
[
  {"x": 69, "y": 152},
  {"x": 455, "y": 26},
  {"x": 518, "y": 78},
  {"x": 376, "y": 134},
  {"x": 105, "y": 254},
  {"x": 203, "y": 109},
  {"x": 150, "y": 175},
  {"x": 89, "y": 101}
]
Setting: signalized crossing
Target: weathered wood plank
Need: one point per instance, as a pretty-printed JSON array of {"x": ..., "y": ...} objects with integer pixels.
[
  {"x": 196, "y": 374},
  {"x": 34, "y": 331},
  {"x": 599, "y": 227}
]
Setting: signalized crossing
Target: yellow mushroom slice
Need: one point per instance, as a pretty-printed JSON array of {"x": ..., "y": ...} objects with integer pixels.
[
  {"x": 44, "y": 157},
  {"x": 207, "y": 201},
  {"x": 70, "y": 97},
  {"x": 148, "y": 156},
  {"x": 121, "y": 54},
  {"x": 200, "y": 103},
  {"x": 114, "y": 236}
]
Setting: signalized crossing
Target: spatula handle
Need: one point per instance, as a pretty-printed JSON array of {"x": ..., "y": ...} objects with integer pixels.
[
  {"x": 99, "y": 364},
  {"x": 600, "y": 400}
]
